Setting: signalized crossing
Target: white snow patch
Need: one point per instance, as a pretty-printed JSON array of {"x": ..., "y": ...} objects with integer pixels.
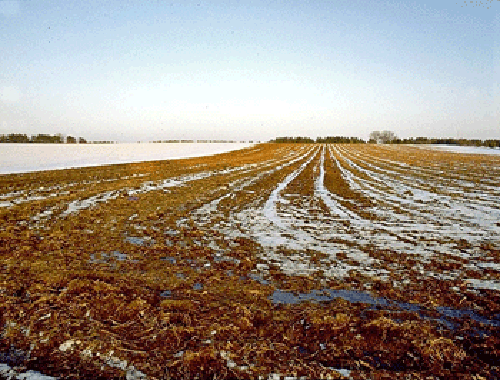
[
  {"x": 461, "y": 149},
  {"x": 23, "y": 158}
]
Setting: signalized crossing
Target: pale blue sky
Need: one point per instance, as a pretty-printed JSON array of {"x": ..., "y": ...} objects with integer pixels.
[{"x": 127, "y": 71}]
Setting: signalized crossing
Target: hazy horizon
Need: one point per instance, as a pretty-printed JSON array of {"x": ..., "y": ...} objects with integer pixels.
[{"x": 250, "y": 70}]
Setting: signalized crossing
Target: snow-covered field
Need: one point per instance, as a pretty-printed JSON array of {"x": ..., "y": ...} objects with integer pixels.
[
  {"x": 461, "y": 149},
  {"x": 22, "y": 158}
]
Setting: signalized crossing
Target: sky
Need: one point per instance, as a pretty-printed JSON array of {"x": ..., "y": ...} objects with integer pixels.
[{"x": 249, "y": 70}]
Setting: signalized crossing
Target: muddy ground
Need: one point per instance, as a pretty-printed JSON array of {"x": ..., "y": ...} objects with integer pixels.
[{"x": 293, "y": 261}]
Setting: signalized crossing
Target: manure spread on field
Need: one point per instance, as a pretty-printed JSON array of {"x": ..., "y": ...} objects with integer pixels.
[{"x": 277, "y": 261}]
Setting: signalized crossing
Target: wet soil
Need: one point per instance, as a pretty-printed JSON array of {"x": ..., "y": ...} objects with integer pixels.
[{"x": 299, "y": 261}]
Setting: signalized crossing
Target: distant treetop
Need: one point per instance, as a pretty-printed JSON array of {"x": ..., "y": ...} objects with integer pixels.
[
  {"x": 41, "y": 138},
  {"x": 323, "y": 140}
]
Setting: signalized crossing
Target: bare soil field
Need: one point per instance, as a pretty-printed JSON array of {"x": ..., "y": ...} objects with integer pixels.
[{"x": 276, "y": 261}]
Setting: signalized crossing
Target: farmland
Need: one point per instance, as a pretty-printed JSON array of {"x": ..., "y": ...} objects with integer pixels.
[{"x": 353, "y": 261}]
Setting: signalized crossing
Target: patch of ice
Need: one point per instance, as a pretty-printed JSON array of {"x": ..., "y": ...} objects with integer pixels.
[
  {"x": 10, "y": 374},
  {"x": 269, "y": 210},
  {"x": 495, "y": 266},
  {"x": 484, "y": 284}
]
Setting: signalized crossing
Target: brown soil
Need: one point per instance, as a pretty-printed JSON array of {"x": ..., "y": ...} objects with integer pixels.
[{"x": 78, "y": 292}]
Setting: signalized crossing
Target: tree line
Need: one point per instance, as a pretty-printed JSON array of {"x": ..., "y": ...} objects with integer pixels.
[
  {"x": 388, "y": 137},
  {"x": 43, "y": 138},
  {"x": 323, "y": 140},
  {"x": 202, "y": 141},
  {"x": 339, "y": 140},
  {"x": 490, "y": 143}
]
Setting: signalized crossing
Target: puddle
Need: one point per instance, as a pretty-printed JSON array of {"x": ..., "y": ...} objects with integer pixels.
[
  {"x": 9, "y": 366},
  {"x": 136, "y": 240},
  {"x": 459, "y": 314},
  {"x": 13, "y": 357},
  {"x": 448, "y": 314},
  {"x": 352, "y": 296},
  {"x": 170, "y": 259},
  {"x": 230, "y": 259},
  {"x": 105, "y": 257},
  {"x": 166, "y": 293},
  {"x": 258, "y": 279},
  {"x": 343, "y": 372},
  {"x": 11, "y": 373},
  {"x": 171, "y": 232},
  {"x": 119, "y": 256}
]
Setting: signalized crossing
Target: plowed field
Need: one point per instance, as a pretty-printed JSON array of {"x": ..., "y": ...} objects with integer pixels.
[{"x": 292, "y": 261}]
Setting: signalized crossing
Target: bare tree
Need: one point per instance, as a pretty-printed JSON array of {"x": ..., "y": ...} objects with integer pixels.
[
  {"x": 374, "y": 137},
  {"x": 383, "y": 137}
]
